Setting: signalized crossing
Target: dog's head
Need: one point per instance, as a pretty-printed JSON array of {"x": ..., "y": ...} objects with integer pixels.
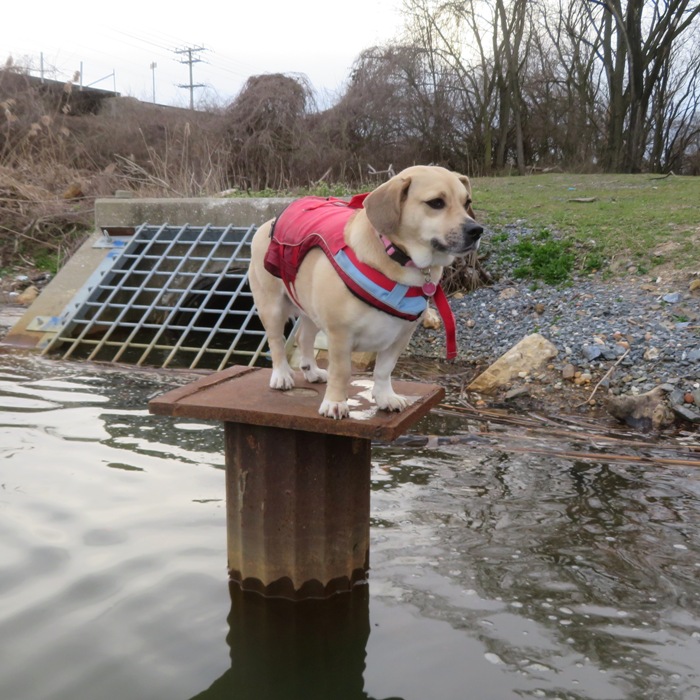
[{"x": 426, "y": 211}]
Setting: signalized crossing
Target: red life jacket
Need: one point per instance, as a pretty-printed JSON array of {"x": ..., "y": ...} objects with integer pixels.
[{"x": 317, "y": 221}]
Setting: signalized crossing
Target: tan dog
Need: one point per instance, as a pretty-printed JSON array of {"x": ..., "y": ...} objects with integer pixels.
[{"x": 425, "y": 212}]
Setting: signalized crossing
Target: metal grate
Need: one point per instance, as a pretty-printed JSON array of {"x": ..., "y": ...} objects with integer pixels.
[{"x": 174, "y": 296}]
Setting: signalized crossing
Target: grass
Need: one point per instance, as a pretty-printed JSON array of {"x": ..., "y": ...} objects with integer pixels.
[
  {"x": 540, "y": 257},
  {"x": 632, "y": 220}
]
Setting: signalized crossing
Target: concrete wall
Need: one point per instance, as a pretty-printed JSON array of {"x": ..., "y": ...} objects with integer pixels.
[
  {"x": 240, "y": 211},
  {"x": 126, "y": 213}
]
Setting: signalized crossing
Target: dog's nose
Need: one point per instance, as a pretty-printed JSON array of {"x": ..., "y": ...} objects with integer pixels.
[{"x": 472, "y": 231}]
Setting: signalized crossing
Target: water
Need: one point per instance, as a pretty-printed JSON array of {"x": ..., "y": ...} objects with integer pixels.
[{"x": 494, "y": 574}]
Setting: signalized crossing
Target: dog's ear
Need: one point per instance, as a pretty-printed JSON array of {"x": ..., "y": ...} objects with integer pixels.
[
  {"x": 383, "y": 205},
  {"x": 465, "y": 181}
]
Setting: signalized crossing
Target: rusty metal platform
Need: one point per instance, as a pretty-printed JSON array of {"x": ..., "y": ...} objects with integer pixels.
[
  {"x": 242, "y": 395},
  {"x": 297, "y": 484}
]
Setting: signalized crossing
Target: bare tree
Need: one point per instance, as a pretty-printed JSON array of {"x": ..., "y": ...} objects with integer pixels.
[
  {"x": 267, "y": 128},
  {"x": 637, "y": 39}
]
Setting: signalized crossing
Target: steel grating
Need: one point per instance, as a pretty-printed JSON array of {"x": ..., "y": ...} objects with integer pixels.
[{"x": 174, "y": 296}]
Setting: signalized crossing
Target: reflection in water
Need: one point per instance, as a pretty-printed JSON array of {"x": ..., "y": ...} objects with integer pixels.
[
  {"x": 495, "y": 575},
  {"x": 282, "y": 650},
  {"x": 584, "y": 574}
]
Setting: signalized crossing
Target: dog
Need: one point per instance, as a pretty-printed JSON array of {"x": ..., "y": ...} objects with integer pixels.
[{"x": 400, "y": 236}]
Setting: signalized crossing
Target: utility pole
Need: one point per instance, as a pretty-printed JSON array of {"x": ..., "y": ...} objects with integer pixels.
[
  {"x": 191, "y": 58},
  {"x": 154, "y": 65}
]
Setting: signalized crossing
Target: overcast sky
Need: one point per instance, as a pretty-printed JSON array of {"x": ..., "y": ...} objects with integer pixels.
[{"x": 117, "y": 42}]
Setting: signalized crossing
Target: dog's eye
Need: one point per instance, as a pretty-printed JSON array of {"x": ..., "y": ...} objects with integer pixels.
[
  {"x": 467, "y": 204},
  {"x": 437, "y": 203}
]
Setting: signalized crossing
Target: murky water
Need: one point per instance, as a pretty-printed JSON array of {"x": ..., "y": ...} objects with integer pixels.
[{"x": 495, "y": 574}]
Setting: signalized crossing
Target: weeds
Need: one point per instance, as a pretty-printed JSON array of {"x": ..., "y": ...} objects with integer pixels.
[{"x": 543, "y": 258}]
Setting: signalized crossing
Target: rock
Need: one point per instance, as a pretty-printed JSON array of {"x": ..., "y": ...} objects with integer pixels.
[
  {"x": 651, "y": 354},
  {"x": 515, "y": 393},
  {"x": 431, "y": 319},
  {"x": 694, "y": 355},
  {"x": 508, "y": 293},
  {"x": 676, "y": 396},
  {"x": 539, "y": 309},
  {"x": 582, "y": 378},
  {"x": 672, "y": 298},
  {"x": 568, "y": 372},
  {"x": 529, "y": 355},
  {"x": 648, "y": 411},
  {"x": 28, "y": 296},
  {"x": 694, "y": 286},
  {"x": 687, "y": 414},
  {"x": 592, "y": 352}
]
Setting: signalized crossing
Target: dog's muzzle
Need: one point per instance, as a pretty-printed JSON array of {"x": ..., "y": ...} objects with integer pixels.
[{"x": 462, "y": 241}]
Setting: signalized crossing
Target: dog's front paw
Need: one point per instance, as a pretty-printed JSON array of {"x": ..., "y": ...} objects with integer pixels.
[
  {"x": 315, "y": 375},
  {"x": 391, "y": 402},
  {"x": 282, "y": 379},
  {"x": 334, "y": 409}
]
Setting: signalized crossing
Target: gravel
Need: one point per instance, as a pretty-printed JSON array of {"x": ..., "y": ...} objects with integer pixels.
[{"x": 593, "y": 322}]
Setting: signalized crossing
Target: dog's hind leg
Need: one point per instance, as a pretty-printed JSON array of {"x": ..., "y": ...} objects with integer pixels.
[
  {"x": 306, "y": 338},
  {"x": 274, "y": 316}
]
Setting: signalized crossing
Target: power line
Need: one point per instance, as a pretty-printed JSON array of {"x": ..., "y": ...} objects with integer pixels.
[{"x": 191, "y": 53}]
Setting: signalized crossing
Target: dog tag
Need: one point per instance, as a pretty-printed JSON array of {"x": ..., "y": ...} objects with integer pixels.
[{"x": 429, "y": 289}]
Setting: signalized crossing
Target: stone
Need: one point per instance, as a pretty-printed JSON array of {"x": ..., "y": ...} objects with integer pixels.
[
  {"x": 517, "y": 392},
  {"x": 592, "y": 352},
  {"x": 694, "y": 355},
  {"x": 676, "y": 396},
  {"x": 694, "y": 286},
  {"x": 529, "y": 355},
  {"x": 568, "y": 372},
  {"x": 28, "y": 296},
  {"x": 687, "y": 414},
  {"x": 508, "y": 293},
  {"x": 652, "y": 353},
  {"x": 648, "y": 411},
  {"x": 431, "y": 319},
  {"x": 672, "y": 298},
  {"x": 582, "y": 378}
]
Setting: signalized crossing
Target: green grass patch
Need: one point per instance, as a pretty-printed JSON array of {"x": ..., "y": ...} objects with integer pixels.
[
  {"x": 540, "y": 257},
  {"x": 638, "y": 219},
  {"x": 585, "y": 223}
]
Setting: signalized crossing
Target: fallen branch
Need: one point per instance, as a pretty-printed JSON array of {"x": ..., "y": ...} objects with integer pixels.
[
  {"x": 603, "y": 378},
  {"x": 663, "y": 177}
]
